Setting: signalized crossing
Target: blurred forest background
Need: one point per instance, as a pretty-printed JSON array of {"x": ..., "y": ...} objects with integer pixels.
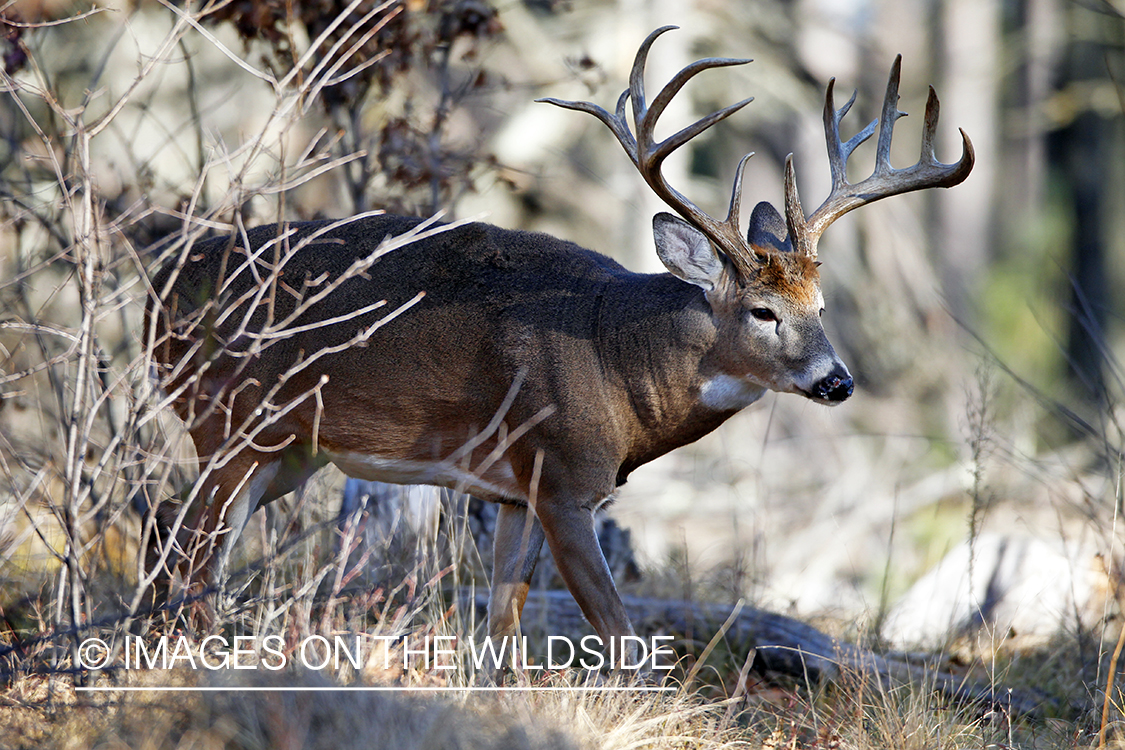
[{"x": 983, "y": 323}]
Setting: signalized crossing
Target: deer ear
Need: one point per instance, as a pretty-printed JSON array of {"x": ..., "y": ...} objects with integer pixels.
[
  {"x": 767, "y": 231},
  {"x": 686, "y": 251}
]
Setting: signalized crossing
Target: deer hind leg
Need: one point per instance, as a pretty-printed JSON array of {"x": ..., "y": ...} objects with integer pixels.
[
  {"x": 570, "y": 533},
  {"x": 195, "y": 543}
]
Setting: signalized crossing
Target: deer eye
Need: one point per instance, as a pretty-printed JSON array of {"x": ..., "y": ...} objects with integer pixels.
[{"x": 764, "y": 314}]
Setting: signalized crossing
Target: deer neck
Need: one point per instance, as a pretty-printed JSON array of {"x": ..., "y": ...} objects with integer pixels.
[{"x": 657, "y": 340}]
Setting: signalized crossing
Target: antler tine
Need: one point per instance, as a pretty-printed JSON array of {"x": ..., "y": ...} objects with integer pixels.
[
  {"x": 735, "y": 208},
  {"x": 648, "y": 155},
  {"x": 672, "y": 142},
  {"x": 794, "y": 213},
  {"x": 616, "y": 123},
  {"x": 838, "y": 153},
  {"x": 884, "y": 180},
  {"x": 645, "y": 115},
  {"x": 887, "y": 119},
  {"x": 637, "y": 75}
]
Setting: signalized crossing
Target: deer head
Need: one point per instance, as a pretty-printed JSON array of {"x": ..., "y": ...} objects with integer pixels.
[{"x": 764, "y": 287}]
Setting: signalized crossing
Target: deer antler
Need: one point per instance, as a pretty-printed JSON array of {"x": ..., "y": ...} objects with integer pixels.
[
  {"x": 885, "y": 180},
  {"x": 648, "y": 155}
]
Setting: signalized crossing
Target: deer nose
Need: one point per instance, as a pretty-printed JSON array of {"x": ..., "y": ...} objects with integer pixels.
[{"x": 836, "y": 387}]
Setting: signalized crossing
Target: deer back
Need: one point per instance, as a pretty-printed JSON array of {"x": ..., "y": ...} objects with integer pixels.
[{"x": 614, "y": 355}]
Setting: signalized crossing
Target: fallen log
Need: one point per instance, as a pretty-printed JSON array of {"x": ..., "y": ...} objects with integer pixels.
[{"x": 783, "y": 645}]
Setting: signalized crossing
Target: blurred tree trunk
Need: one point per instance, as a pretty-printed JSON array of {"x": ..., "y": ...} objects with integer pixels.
[
  {"x": 1079, "y": 152},
  {"x": 1037, "y": 32},
  {"x": 967, "y": 66}
]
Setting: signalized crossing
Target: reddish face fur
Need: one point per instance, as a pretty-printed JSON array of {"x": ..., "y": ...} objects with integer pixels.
[{"x": 789, "y": 275}]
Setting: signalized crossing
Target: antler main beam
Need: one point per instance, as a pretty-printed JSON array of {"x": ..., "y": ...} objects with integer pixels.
[
  {"x": 648, "y": 155},
  {"x": 885, "y": 180}
]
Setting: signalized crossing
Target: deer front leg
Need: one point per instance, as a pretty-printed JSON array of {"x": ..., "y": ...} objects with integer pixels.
[
  {"x": 570, "y": 533},
  {"x": 515, "y": 550}
]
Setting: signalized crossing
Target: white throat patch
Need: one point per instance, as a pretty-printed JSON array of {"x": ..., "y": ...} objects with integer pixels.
[{"x": 724, "y": 393}]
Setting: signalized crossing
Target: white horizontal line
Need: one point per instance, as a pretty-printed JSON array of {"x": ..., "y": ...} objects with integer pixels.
[{"x": 380, "y": 689}]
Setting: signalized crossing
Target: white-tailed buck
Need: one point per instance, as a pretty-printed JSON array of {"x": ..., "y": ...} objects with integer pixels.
[{"x": 532, "y": 372}]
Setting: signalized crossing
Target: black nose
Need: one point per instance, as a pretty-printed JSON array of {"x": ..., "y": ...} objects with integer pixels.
[{"x": 836, "y": 387}]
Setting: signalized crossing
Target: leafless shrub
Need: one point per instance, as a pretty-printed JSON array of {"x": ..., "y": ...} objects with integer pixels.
[
  {"x": 86, "y": 440},
  {"x": 374, "y": 45}
]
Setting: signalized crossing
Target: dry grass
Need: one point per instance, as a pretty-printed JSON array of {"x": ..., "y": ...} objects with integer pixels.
[
  {"x": 858, "y": 716},
  {"x": 721, "y": 708}
]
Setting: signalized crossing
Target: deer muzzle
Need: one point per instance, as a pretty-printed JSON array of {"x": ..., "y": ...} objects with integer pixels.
[{"x": 835, "y": 387}]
